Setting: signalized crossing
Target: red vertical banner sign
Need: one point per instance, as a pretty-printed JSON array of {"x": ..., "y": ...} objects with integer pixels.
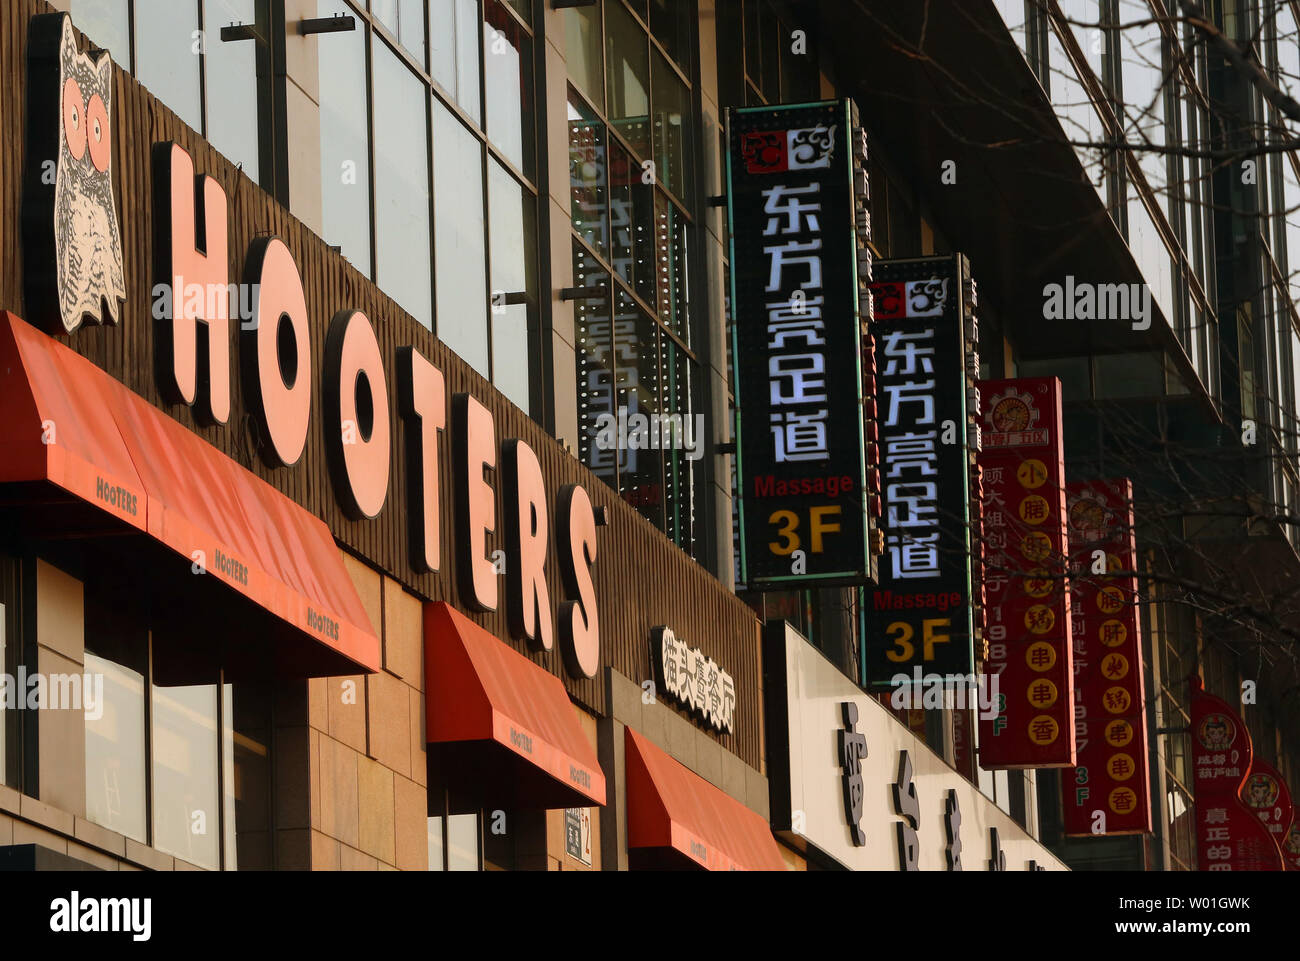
[
  {"x": 1267, "y": 795},
  {"x": 1109, "y": 791},
  {"x": 1027, "y": 620},
  {"x": 1229, "y": 836},
  {"x": 1291, "y": 843}
]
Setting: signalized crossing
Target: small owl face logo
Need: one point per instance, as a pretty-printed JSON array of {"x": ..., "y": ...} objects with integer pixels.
[{"x": 70, "y": 214}]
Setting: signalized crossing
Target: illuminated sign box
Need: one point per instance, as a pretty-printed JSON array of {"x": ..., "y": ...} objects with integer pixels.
[{"x": 797, "y": 342}]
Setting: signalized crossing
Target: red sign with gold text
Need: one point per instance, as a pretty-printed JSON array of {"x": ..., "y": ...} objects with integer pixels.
[
  {"x": 1267, "y": 795},
  {"x": 1028, "y": 608},
  {"x": 1109, "y": 791},
  {"x": 1291, "y": 843},
  {"x": 1229, "y": 837}
]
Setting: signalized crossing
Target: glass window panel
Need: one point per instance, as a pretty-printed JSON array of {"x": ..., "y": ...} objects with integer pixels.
[
  {"x": 1129, "y": 375},
  {"x": 1073, "y": 105},
  {"x": 167, "y": 54},
  {"x": 1149, "y": 250},
  {"x": 1013, "y": 15},
  {"x": 512, "y": 230},
  {"x": 628, "y": 63},
  {"x": 115, "y": 748},
  {"x": 582, "y": 51},
  {"x": 1142, "y": 63},
  {"x": 344, "y": 142},
  {"x": 1291, "y": 202},
  {"x": 462, "y": 842},
  {"x": 670, "y": 22},
  {"x": 524, "y": 8},
  {"x": 595, "y": 366},
  {"x": 587, "y": 175},
  {"x": 632, "y": 224},
  {"x": 185, "y": 821},
  {"x": 454, "y": 51},
  {"x": 687, "y": 447},
  {"x": 107, "y": 23},
  {"x": 231, "y": 70},
  {"x": 637, "y": 377},
  {"x": 437, "y": 856},
  {"x": 508, "y": 86},
  {"x": 1076, "y": 381},
  {"x": 248, "y": 758},
  {"x": 405, "y": 21},
  {"x": 770, "y": 38},
  {"x": 672, "y": 128},
  {"x": 671, "y": 271},
  {"x": 460, "y": 270},
  {"x": 1288, "y": 50},
  {"x": 753, "y": 42},
  {"x": 401, "y": 185}
]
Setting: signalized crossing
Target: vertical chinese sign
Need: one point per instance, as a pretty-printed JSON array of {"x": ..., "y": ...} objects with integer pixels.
[
  {"x": 1027, "y": 620},
  {"x": 1109, "y": 792},
  {"x": 1267, "y": 795},
  {"x": 920, "y": 616},
  {"x": 795, "y": 182},
  {"x": 1229, "y": 837},
  {"x": 1291, "y": 843}
]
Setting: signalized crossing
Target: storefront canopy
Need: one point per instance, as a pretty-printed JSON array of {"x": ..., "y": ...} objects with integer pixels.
[
  {"x": 670, "y": 808},
  {"x": 508, "y": 722},
  {"x": 66, "y": 422}
]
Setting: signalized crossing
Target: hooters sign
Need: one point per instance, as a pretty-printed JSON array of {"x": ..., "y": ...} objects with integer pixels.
[
  {"x": 1027, "y": 611},
  {"x": 1229, "y": 835},
  {"x": 1109, "y": 791},
  {"x": 74, "y": 268}
]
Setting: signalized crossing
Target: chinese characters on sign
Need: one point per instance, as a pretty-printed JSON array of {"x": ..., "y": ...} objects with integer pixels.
[
  {"x": 1027, "y": 618},
  {"x": 851, "y": 745},
  {"x": 796, "y": 252},
  {"x": 577, "y": 834},
  {"x": 921, "y": 612},
  {"x": 1229, "y": 837},
  {"x": 1109, "y": 791},
  {"x": 694, "y": 681}
]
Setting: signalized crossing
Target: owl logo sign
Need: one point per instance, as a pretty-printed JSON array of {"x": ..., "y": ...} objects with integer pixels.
[{"x": 73, "y": 244}]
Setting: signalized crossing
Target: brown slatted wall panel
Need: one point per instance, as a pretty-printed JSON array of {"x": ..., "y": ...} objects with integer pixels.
[{"x": 642, "y": 579}]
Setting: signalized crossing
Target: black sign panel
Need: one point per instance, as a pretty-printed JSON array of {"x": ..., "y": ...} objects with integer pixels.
[
  {"x": 797, "y": 343},
  {"x": 920, "y": 613}
]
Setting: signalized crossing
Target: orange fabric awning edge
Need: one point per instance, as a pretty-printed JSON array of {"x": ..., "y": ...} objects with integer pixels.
[
  {"x": 478, "y": 688},
  {"x": 69, "y": 423},
  {"x": 670, "y": 806}
]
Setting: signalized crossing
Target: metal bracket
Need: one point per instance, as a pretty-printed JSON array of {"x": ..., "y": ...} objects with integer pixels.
[
  {"x": 239, "y": 31},
  {"x": 729, "y": 447},
  {"x": 339, "y": 23},
  {"x": 584, "y": 293}
]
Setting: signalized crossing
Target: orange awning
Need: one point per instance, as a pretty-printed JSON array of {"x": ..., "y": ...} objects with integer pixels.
[
  {"x": 511, "y": 720},
  {"x": 670, "y": 807},
  {"x": 67, "y": 422}
]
